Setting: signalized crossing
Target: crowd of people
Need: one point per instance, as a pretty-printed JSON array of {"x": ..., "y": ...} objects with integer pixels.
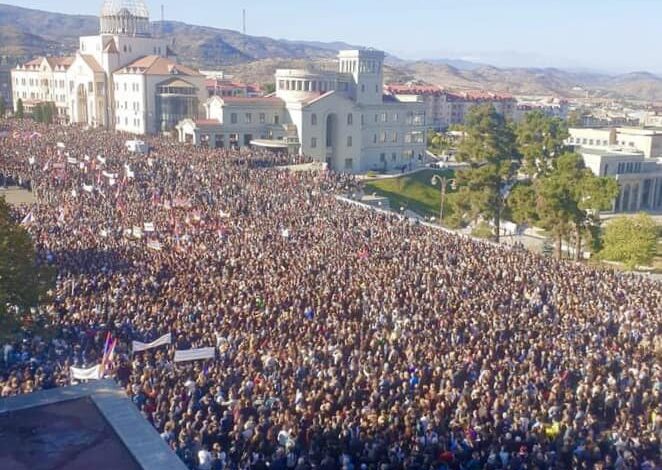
[{"x": 345, "y": 338}]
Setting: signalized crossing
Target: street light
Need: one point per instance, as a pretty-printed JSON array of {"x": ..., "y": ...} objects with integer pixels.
[{"x": 443, "y": 181}]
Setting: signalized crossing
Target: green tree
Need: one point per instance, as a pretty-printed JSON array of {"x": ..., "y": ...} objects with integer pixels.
[
  {"x": 438, "y": 142},
  {"x": 540, "y": 139},
  {"x": 22, "y": 281},
  {"x": 20, "y": 111},
  {"x": 521, "y": 204},
  {"x": 47, "y": 113},
  {"x": 630, "y": 240},
  {"x": 269, "y": 88},
  {"x": 3, "y": 107},
  {"x": 38, "y": 113},
  {"x": 489, "y": 148},
  {"x": 569, "y": 198}
]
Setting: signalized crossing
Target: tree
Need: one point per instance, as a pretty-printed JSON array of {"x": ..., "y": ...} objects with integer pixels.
[
  {"x": 269, "y": 88},
  {"x": 438, "y": 142},
  {"x": 3, "y": 107},
  {"x": 569, "y": 198},
  {"x": 47, "y": 113},
  {"x": 521, "y": 203},
  {"x": 630, "y": 240},
  {"x": 540, "y": 139},
  {"x": 489, "y": 148},
  {"x": 38, "y": 113},
  {"x": 20, "y": 111},
  {"x": 22, "y": 281}
]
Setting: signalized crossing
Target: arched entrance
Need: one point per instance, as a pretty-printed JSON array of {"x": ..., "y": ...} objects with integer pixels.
[
  {"x": 81, "y": 99},
  {"x": 331, "y": 139}
]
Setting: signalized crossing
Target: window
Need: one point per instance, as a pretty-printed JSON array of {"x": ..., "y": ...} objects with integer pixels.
[
  {"x": 248, "y": 118},
  {"x": 349, "y": 140},
  {"x": 313, "y": 142},
  {"x": 313, "y": 119},
  {"x": 362, "y": 119},
  {"x": 395, "y": 137},
  {"x": 393, "y": 157},
  {"x": 350, "y": 119},
  {"x": 395, "y": 117},
  {"x": 276, "y": 118},
  {"x": 263, "y": 118},
  {"x": 374, "y": 139},
  {"x": 349, "y": 163},
  {"x": 362, "y": 88},
  {"x": 408, "y": 138},
  {"x": 383, "y": 137},
  {"x": 233, "y": 118},
  {"x": 384, "y": 117}
]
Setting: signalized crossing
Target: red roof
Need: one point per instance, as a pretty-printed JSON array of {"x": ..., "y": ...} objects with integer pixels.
[
  {"x": 157, "y": 65},
  {"x": 251, "y": 100},
  {"x": 207, "y": 122}
]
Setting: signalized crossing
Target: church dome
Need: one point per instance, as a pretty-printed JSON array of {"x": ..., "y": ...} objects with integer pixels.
[
  {"x": 136, "y": 8},
  {"x": 125, "y": 18}
]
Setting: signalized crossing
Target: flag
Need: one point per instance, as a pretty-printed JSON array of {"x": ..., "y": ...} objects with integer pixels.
[
  {"x": 154, "y": 245},
  {"x": 27, "y": 220}
]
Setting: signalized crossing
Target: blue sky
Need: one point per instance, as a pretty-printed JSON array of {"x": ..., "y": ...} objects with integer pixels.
[{"x": 605, "y": 35}]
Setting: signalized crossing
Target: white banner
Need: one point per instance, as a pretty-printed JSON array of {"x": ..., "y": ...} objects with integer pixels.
[
  {"x": 109, "y": 175},
  {"x": 32, "y": 160},
  {"x": 137, "y": 232},
  {"x": 93, "y": 373},
  {"x": 139, "y": 346},
  {"x": 154, "y": 245},
  {"x": 148, "y": 227},
  {"x": 60, "y": 145},
  {"x": 88, "y": 187},
  {"x": 72, "y": 160},
  {"x": 195, "y": 354}
]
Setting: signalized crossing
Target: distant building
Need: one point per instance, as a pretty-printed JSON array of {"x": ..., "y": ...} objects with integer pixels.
[
  {"x": 120, "y": 79},
  {"x": 648, "y": 141},
  {"x": 340, "y": 118},
  {"x": 639, "y": 178},
  {"x": 632, "y": 156},
  {"x": 444, "y": 108},
  {"x": 227, "y": 87},
  {"x": 555, "y": 108}
]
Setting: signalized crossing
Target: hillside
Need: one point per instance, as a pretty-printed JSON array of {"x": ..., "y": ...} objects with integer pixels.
[{"x": 25, "y": 33}]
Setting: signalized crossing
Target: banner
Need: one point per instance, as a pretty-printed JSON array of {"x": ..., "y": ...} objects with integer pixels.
[
  {"x": 101, "y": 159},
  {"x": 93, "y": 373},
  {"x": 60, "y": 145},
  {"x": 148, "y": 226},
  {"x": 109, "y": 175},
  {"x": 88, "y": 187},
  {"x": 154, "y": 245},
  {"x": 137, "y": 232},
  {"x": 195, "y": 354},
  {"x": 72, "y": 160},
  {"x": 138, "y": 346}
]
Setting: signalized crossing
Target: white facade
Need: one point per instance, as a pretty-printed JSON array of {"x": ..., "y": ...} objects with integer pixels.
[
  {"x": 104, "y": 85},
  {"x": 341, "y": 118},
  {"x": 648, "y": 141}
]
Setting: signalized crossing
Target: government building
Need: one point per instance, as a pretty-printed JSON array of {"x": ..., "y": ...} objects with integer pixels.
[
  {"x": 341, "y": 118},
  {"x": 121, "y": 79}
]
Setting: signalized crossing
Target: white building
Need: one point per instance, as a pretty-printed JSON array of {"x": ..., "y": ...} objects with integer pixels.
[
  {"x": 632, "y": 156},
  {"x": 339, "y": 117},
  {"x": 121, "y": 78}
]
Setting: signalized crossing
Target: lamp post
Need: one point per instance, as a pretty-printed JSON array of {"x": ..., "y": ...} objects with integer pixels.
[{"x": 443, "y": 181}]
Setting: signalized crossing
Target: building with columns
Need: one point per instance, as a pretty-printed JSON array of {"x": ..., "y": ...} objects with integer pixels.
[
  {"x": 639, "y": 178},
  {"x": 341, "y": 118},
  {"x": 121, "y": 78}
]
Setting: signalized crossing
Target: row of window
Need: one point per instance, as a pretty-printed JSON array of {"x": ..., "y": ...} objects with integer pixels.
[
  {"x": 135, "y": 87},
  {"x": 383, "y": 117},
  {"x": 628, "y": 167},
  {"x": 248, "y": 118},
  {"x": 135, "y": 105},
  {"x": 135, "y": 121}
]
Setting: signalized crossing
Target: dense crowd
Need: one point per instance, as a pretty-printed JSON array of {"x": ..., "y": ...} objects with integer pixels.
[{"x": 345, "y": 338}]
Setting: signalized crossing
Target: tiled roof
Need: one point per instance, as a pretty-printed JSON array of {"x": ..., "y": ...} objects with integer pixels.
[
  {"x": 241, "y": 100},
  {"x": 157, "y": 65}
]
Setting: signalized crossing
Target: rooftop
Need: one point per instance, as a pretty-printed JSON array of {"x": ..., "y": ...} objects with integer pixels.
[
  {"x": 86, "y": 426},
  {"x": 157, "y": 65}
]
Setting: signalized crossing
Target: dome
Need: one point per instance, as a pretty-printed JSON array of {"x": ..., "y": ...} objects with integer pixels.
[
  {"x": 137, "y": 8},
  {"x": 124, "y": 17}
]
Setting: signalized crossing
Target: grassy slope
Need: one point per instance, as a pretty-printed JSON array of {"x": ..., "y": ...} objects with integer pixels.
[{"x": 414, "y": 191}]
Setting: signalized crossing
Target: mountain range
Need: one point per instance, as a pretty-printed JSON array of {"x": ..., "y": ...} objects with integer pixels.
[{"x": 25, "y": 33}]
